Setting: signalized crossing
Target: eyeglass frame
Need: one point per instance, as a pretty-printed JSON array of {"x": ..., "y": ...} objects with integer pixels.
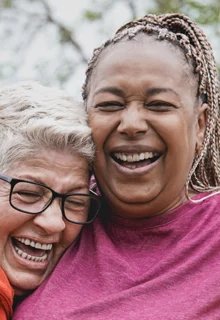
[{"x": 14, "y": 181}]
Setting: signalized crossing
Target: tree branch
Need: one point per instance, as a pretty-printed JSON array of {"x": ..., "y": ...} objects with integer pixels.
[{"x": 68, "y": 35}]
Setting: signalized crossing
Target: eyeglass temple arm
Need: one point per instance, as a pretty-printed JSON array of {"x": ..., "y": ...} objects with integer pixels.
[
  {"x": 5, "y": 178},
  {"x": 90, "y": 190}
]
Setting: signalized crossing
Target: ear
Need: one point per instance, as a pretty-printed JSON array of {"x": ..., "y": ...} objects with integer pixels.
[{"x": 202, "y": 115}]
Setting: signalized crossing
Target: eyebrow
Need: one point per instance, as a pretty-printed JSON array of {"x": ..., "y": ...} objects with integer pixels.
[
  {"x": 75, "y": 188},
  {"x": 149, "y": 92},
  {"x": 116, "y": 91},
  {"x": 154, "y": 91},
  {"x": 31, "y": 179}
]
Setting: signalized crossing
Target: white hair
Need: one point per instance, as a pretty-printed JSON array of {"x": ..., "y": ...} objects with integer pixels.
[{"x": 33, "y": 117}]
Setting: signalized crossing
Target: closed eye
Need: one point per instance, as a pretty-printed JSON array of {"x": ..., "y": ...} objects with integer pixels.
[
  {"x": 109, "y": 106},
  {"x": 160, "y": 106},
  {"x": 26, "y": 196},
  {"x": 77, "y": 202}
]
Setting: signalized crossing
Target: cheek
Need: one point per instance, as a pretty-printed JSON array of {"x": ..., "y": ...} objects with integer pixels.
[
  {"x": 181, "y": 145},
  {"x": 102, "y": 126},
  {"x": 176, "y": 130},
  {"x": 4, "y": 194},
  {"x": 188, "y": 134},
  {"x": 11, "y": 220},
  {"x": 8, "y": 217},
  {"x": 70, "y": 234}
]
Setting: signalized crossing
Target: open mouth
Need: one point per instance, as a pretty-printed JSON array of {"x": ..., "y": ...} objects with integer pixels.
[
  {"x": 135, "y": 160},
  {"x": 31, "y": 250}
]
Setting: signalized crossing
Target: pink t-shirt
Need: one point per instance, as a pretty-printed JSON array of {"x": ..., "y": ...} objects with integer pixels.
[{"x": 161, "y": 268}]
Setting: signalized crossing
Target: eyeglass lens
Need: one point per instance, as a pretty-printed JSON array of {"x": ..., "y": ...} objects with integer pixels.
[{"x": 33, "y": 198}]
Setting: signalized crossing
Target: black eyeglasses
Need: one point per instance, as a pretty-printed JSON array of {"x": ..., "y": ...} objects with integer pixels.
[{"x": 33, "y": 198}]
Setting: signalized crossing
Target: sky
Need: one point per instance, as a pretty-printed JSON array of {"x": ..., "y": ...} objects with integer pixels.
[{"x": 34, "y": 52}]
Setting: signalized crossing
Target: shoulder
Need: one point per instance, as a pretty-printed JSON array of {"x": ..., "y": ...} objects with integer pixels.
[{"x": 6, "y": 295}]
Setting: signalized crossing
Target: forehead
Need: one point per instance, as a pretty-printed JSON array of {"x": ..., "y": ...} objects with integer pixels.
[
  {"x": 50, "y": 164},
  {"x": 145, "y": 57}
]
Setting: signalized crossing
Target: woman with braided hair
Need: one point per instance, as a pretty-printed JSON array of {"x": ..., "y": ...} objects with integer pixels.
[{"x": 152, "y": 96}]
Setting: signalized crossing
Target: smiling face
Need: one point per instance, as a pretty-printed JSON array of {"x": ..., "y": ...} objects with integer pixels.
[
  {"x": 147, "y": 124},
  {"x": 31, "y": 245}
]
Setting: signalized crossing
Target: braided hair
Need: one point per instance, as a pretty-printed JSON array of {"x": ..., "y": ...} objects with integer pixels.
[{"x": 181, "y": 31}]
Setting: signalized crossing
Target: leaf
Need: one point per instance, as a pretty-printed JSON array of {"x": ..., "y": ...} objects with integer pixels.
[
  {"x": 5, "y": 4},
  {"x": 92, "y": 15}
]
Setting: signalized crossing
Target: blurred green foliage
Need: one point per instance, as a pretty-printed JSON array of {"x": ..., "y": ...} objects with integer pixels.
[
  {"x": 33, "y": 18},
  {"x": 203, "y": 12},
  {"x": 92, "y": 15},
  {"x": 6, "y": 3}
]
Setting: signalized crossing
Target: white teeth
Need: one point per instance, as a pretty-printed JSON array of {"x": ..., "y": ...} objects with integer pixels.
[
  {"x": 135, "y": 156},
  {"x": 34, "y": 244},
  {"x": 24, "y": 254},
  {"x": 26, "y": 241},
  {"x": 37, "y": 245},
  {"x": 27, "y": 256}
]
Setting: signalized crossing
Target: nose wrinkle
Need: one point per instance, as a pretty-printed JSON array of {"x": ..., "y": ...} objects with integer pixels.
[{"x": 133, "y": 125}]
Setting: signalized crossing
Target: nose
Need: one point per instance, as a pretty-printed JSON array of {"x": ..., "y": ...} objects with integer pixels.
[
  {"x": 133, "y": 122},
  {"x": 51, "y": 219}
]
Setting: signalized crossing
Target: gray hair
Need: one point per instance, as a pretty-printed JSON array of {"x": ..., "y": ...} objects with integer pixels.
[{"x": 34, "y": 117}]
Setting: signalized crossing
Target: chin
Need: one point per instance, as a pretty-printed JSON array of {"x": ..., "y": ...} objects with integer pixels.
[
  {"x": 26, "y": 284},
  {"x": 136, "y": 199},
  {"x": 131, "y": 210}
]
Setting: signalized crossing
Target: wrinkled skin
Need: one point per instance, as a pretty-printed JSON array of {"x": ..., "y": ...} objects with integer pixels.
[
  {"x": 63, "y": 173},
  {"x": 142, "y": 100}
]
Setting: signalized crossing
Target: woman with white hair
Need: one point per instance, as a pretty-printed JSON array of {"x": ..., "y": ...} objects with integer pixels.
[{"x": 45, "y": 156}]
